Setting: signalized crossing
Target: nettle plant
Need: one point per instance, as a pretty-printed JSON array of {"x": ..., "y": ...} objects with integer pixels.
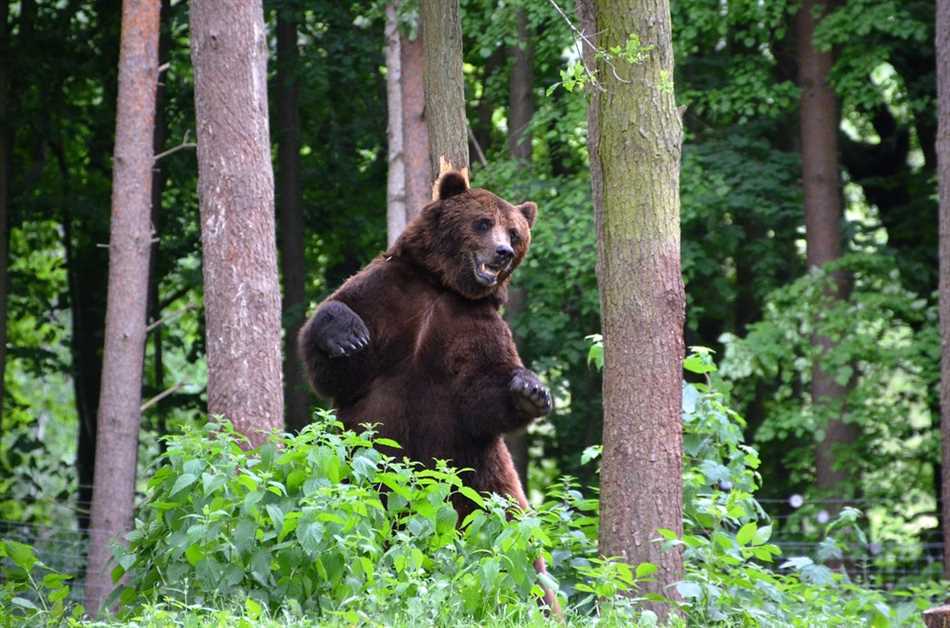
[{"x": 324, "y": 523}]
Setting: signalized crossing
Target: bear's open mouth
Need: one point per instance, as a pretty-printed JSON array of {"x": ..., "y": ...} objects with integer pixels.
[{"x": 486, "y": 273}]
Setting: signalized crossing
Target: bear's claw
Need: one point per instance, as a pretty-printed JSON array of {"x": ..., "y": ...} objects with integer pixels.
[
  {"x": 341, "y": 332},
  {"x": 529, "y": 394}
]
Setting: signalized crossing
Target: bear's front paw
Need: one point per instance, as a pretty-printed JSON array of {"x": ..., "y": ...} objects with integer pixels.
[
  {"x": 341, "y": 332},
  {"x": 530, "y": 395}
]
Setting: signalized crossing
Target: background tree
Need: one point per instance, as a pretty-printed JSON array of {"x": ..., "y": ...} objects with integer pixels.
[
  {"x": 819, "y": 121},
  {"x": 396, "y": 174},
  {"x": 415, "y": 129},
  {"x": 444, "y": 87},
  {"x": 943, "y": 161},
  {"x": 293, "y": 262},
  {"x": 635, "y": 179},
  {"x": 236, "y": 194},
  {"x": 129, "y": 249}
]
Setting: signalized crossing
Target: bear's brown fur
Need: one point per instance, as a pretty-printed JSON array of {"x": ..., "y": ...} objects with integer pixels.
[{"x": 415, "y": 341}]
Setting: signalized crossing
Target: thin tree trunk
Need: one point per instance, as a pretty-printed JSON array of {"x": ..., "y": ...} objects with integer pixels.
[
  {"x": 943, "y": 176},
  {"x": 129, "y": 245},
  {"x": 291, "y": 220},
  {"x": 396, "y": 175},
  {"x": 635, "y": 136},
  {"x": 414, "y": 128},
  {"x": 520, "y": 112},
  {"x": 236, "y": 196},
  {"x": 6, "y": 134},
  {"x": 158, "y": 187},
  {"x": 444, "y": 88},
  {"x": 819, "y": 150}
]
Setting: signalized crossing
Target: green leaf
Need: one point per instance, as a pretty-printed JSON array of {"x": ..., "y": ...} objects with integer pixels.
[
  {"x": 22, "y": 555},
  {"x": 472, "y": 495},
  {"x": 194, "y": 554},
  {"x": 252, "y": 608},
  {"x": 762, "y": 535},
  {"x": 746, "y": 533},
  {"x": 184, "y": 481},
  {"x": 645, "y": 569}
]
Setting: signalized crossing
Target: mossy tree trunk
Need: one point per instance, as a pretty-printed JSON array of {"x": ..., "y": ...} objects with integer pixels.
[
  {"x": 444, "y": 87},
  {"x": 129, "y": 250},
  {"x": 943, "y": 175},
  {"x": 236, "y": 198},
  {"x": 635, "y": 136}
]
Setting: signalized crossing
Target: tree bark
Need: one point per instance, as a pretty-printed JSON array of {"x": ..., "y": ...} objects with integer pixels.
[
  {"x": 520, "y": 112},
  {"x": 129, "y": 246},
  {"x": 520, "y": 92},
  {"x": 415, "y": 130},
  {"x": 819, "y": 119},
  {"x": 444, "y": 88},
  {"x": 236, "y": 197},
  {"x": 291, "y": 220},
  {"x": 396, "y": 175},
  {"x": 943, "y": 177},
  {"x": 6, "y": 142},
  {"x": 635, "y": 136},
  {"x": 158, "y": 187}
]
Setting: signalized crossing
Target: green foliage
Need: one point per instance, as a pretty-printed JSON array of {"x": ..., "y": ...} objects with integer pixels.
[
  {"x": 32, "y": 593},
  {"x": 301, "y": 524}
]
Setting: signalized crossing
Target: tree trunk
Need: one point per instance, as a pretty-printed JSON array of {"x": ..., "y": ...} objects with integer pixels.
[
  {"x": 415, "y": 131},
  {"x": 396, "y": 175},
  {"x": 158, "y": 187},
  {"x": 236, "y": 197},
  {"x": 635, "y": 136},
  {"x": 819, "y": 150},
  {"x": 520, "y": 92},
  {"x": 291, "y": 220},
  {"x": 6, "y": 142},
  {"x": 444, "y": 88},
  {"x": 129, "y": 245},
  {"x": 520, "y": 112},
  {"x": 943, "y": 177}
]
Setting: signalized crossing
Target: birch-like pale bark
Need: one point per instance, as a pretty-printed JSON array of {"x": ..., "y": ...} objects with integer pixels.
[{"x": 396, "y": 175}]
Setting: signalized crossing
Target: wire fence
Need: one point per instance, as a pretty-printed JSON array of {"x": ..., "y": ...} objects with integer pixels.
[{"x": 880, "y": 563}]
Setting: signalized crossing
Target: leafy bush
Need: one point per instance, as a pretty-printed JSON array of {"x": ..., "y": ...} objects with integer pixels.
[
  {"x": 32, "y": 593},
  {"x": 301, "y": 524}
]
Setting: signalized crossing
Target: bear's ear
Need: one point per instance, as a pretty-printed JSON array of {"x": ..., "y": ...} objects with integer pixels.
[
  {"x": 530, "y": 211},
  {"x": 451, "y": 184}
]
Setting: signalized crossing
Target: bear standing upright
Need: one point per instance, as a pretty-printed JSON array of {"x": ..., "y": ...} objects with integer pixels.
[{"x": 415, "y": 343}]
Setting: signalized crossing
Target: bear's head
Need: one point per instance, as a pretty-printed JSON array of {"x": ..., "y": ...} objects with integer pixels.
[{"x": 471, "y": 239}]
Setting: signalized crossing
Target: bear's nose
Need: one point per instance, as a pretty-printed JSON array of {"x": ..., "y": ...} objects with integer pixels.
[{"x": 504, "y": 252}]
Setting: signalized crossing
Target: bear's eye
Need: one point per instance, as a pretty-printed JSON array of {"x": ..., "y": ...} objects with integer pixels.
[
  {"x": 483, "y": 225},
  {"x": 515, "y": 238}
]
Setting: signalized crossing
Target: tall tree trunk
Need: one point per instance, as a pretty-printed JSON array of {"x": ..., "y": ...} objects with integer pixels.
[
  {"x": 396, "y": 175},
  {"x": 520, "y": 112},
  {"x": 943, "y": 177},
  {"x": 444, "y": 88},
  {"x": 129, "y": 246},
  {"x": 158, "y": 187},
  {"x": 415, "y": 131},
  {"x": 636, "y": 202},
  {"x": 6, "y": 142},
  {"x": 236, "y": 196},
  {"x": 819, "y": 149},
  {"x": 291, "y": 219}
]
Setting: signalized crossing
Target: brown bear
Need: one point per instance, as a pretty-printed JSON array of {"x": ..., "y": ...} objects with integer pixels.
[{"x": 415, "y": 342}]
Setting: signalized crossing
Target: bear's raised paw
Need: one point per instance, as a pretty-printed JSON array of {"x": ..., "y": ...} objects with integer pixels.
[{"x": 530, "y": 396}]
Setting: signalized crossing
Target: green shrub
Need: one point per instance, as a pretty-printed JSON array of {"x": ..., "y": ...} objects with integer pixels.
[{"x": 302, "y": 523}]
